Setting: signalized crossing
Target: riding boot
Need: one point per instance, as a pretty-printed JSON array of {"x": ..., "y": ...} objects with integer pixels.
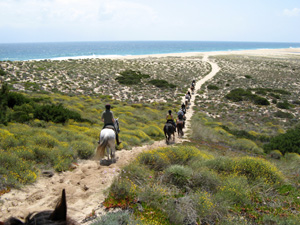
[{"x": 117, "y": 139}]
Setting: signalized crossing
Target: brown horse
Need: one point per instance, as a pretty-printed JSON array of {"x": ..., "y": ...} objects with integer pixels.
[
  {"x": 56, "y": 217},
  {"x": 179, "y": 125},
  {"x": 192, "y": 89},
  {"x": 169, "y": 130}
]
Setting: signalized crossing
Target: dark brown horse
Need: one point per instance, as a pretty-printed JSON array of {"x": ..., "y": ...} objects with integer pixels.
[
  {"x": 56, "y": 217},
  {"x": 169, "y": 130},
  {"x": 179, "y": 125}
]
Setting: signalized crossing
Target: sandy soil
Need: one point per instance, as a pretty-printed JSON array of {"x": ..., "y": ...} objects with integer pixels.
[{"x": 85, "y": 185}]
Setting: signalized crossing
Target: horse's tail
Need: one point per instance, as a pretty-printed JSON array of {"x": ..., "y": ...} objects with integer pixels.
[{"x": 100, "y": 151}]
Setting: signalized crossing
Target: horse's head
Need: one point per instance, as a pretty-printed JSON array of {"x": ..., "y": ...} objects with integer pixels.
[
  {"x": 56, "y": 217},
  {"x": 117, "y": 125}
]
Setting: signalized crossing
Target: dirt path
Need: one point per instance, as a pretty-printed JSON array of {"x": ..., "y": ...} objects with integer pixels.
[{"x": 84, "y": 185}]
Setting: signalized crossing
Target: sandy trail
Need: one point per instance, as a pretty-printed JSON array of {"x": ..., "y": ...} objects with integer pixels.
[
  {"x": 214, "y": 70},
  {"x": 85, "y": 185}
]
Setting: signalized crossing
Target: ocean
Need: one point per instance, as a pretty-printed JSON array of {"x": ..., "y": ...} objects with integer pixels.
[{"x": 73, "y": 50}]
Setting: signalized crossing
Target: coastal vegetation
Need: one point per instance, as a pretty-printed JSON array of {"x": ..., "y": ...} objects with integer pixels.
[{"x": 240, "y": 165}]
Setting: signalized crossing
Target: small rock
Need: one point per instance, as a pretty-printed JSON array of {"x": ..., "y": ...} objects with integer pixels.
[
  {"x": 85, "y": 188},
  {"x": 47, "y": 173}
]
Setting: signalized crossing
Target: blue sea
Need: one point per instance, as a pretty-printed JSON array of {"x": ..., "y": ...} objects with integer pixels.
[{"x": 69, "y": 50}]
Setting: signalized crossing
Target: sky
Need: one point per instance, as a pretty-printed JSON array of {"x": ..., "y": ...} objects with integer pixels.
[{"x": 141, "y": 20}]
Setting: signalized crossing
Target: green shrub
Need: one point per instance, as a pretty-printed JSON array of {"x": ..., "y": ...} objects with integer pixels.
[
  {"x": 121, "y": 194},
  {"x": 153, "y": 131},
  {"x": 257, "y": 168},
  {"x": 221, "y": 164},
  {"x": 15, "y": 170},
  {"x": 42, "y": 154},
  {"x": 178, "y": 175},
  {"x": 55, "y": 113},
  {"x": 23, "y": 152},
  {"x": 154, "y": 160},
  {"x": 161, "y": 83},
  {"x": 45, "y": 140},
  {"x": 212, "y": 87},
  {"x": 281, "y": 114},
  {"x": 84, "y": 149},
  {"x": 18, "y": 99},
  {"x": 283, "y": 105},
  {"x": 206, "y": 180},
  {"x": 287, "y": 142},
  {"x": 292, "y": 156},
  {"x": 235, "y": 191},
  {"x": 260, "y": 100},
  {"x": 237, "y": 95},
  {"x": 115, "y": 218},
  {"x": 62, "y": 158},
  {"x": 240, "y": 94},
  {"x": 130, "y": 77},
  {"x": 245, "y": 144},
  {"x": 129, "y": 139},
  {"x": 153, "y": 195},
  {"x": 9, "y": 141},
  {"x": 181, "y": 211},
  {"x": 276, "y": 154},
  {"x": 2, "y": 72},
  {"x": 138, "y": 173}
]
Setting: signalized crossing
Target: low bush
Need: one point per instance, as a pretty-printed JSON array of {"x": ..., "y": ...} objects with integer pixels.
[
  {"x": 283, "y": 105},
  {"x": 115, "y": 218},
  {"x": 287, "y": 142},
  {"x": 251, "y": 167},
  {"x": 84, "y": 149},
  {"x": 161, "y": 83},
  {"x": 206, "y": 180},
  {"x": 131, "y": 77},
  {"x": 292, "y": 156},
  {"x": 181, "y": 211},
  {"x": 153, "y": 131},
  {"x": 248, "y": 145},
  {"x": 212, "y": 87},
  {"x": 240, "y": 94},
  {"x": 15, "y": 170},
  {"x": 276, "y": 154},
  {"x": 281, "y": 114},
  {"x": 122, "y": 193},
  {"x": 256, "y": 168},
  {"x": 153, "y": 195},
  {"x": 56, "y": 113},
  {"x": 178, "y": 175},
  {"x": 234, "y": 191},
  {"x": 154, "y": 160}
]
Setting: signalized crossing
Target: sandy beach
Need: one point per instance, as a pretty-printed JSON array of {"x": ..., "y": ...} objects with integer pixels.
[
  {"x": 259, "y": 52},
  {"x": 85, "y": 185}
]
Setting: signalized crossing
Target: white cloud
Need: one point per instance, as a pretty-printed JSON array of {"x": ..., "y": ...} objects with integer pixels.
[
  {"x": 22, "y": 13},
  {"x": 291, "y": 12}
]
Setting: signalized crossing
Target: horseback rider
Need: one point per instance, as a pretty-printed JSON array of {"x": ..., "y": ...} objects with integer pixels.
[
  {"x": 108, "y": 119},
  {"x": 170, "y": 119},
  {"x": 183, "y": 108},
  {"x": 181, "y": 117}
]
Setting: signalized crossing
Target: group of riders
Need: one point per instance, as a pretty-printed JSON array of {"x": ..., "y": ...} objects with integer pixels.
[
  {"x": 182, "y": 111},
  {"x": 109, "y": 120}
]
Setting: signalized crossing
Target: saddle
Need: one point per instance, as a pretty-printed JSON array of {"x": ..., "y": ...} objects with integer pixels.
[{"x": 110, "y": 127}]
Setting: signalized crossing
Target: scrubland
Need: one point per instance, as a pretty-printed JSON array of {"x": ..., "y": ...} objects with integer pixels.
[{"x": 223, "y": 173}]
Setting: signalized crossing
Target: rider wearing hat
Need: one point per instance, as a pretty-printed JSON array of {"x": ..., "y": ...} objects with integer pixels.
[{"x": 108, "y": 119}]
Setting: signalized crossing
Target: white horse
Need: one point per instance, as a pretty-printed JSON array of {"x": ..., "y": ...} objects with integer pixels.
[{"x": 108, "y": 142}]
